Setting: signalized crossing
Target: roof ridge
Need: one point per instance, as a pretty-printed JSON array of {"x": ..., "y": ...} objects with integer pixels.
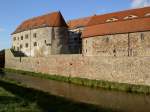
[
  {"x": 35, "y": 17},
  {"x": 122, "y": 11}
]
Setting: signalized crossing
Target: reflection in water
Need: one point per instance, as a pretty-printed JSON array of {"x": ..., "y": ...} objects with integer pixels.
[{"x": 126, "y": 102}]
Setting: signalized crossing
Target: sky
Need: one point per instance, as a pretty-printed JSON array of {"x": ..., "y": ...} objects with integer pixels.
[{"x": 13, "y": 12}]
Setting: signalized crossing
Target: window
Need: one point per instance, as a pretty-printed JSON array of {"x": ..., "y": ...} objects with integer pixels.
[
  {"x": 111, "y": 20},
  {"x": 18, "y": 38},
  {"x": 45, "y": 41},
  {"x": 27, "y": 45},
  {"x": 142, "y": 37},
  {"x": 26, "y": 36},
  {"x": 34, "y": 35},
  {"x": 20, "y": 46},
  {"x": 86, "y": 41},
  {"x": 14, "y": 38},
  {"x": 86, "y": 50},
  {"x": 75, "y": 39},
  {"x": 21, "y": 37},
  {"x": 107, "y": 40},
  {"x": 17, "y": 48},
  {"x": 35, "y": 43},
  {"x": 130, "y": 17}
]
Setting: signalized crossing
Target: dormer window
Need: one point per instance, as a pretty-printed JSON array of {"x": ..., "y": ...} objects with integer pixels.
[
  {"x": 147, "y": 14},
  {"x": 130, "y": 17},
  {"x": 111, "y": 20}
]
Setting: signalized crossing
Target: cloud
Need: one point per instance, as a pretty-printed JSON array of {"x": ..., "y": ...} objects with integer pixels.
[{"x": 139, "y": 3}]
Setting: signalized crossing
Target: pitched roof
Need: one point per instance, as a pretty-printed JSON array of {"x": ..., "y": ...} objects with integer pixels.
[
  {"x": 119, "y": 16},
  {"x": 134, "y": 25},
  {"x": 54, "y": 19},
  {"x": 78, "y": 22}
]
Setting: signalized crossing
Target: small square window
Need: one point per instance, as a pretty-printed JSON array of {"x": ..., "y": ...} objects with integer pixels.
[
  {"x": 142, "y": 37},
  {"x": 86, "y": 41},
  {"x": 21, "y": 37},
  {"x": 27, "y": 45},
  {"x": 14, "y": 38},
  {"x": 17, "y": 48},
  {"x": 20, "y": 46},
  {"x": 35, "y": 44},
  {"x": 34, "y": 35}
]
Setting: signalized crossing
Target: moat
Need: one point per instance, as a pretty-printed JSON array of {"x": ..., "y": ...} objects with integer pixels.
[{"x": 119, "y": 101}]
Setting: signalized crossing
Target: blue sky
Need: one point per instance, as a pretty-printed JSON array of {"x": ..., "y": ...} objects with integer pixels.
[{"x": 13, "y": 12}]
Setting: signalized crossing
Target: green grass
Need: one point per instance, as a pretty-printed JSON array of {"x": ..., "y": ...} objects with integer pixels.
[
  {"x": 17, "y": 98},
  {"x": 87, "y": 82},
  {"x": 10, "y": 102}
]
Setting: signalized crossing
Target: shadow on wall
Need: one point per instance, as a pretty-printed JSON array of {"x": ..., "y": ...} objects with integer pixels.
[
  {"x": 18, "y": 53},
  {"x": 2, "y": 58}
]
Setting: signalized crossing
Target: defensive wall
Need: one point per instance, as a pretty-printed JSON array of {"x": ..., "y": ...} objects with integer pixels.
[{"x": 133, "y": 70}]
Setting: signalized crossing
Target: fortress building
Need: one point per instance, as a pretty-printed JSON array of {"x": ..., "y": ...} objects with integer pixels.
[
  {"x": 42, "y": 36},
  {"x": 75, "y": 28},
  {"x": 125, "y": 33},
  {"x": 111, "y": 47}
]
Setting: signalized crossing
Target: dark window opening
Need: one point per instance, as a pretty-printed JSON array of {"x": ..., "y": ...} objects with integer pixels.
[
  {"x": 107, "y": 40},
  {"x": 35, "y": 43},
  {"x": 21, "y": 37},
  {"x": 45, "y": 41},
  {"x": 21, "y": 46},
  {"x": 17, "y": 48},
  {"x": 27, "y": 45},
  {"x": 75, "y": 39},
  {"x": 34, "y": 35},
  {"x": 142, "y": 36},
  {"x": 14, "y": 38}
]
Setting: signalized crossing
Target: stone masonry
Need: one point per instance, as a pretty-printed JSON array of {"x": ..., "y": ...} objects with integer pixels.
[
  {"x": 41, "y": 42},
  {"x": 133, "y": 70},
  {"x": 128, "y": 44}
]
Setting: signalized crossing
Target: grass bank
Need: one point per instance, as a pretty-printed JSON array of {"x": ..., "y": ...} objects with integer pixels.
[
  {"x": 17, "y": 98},
  {"x": 87, "y": 82}
]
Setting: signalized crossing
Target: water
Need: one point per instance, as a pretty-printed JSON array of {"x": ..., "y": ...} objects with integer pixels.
[{"x": 125, "y": 102}]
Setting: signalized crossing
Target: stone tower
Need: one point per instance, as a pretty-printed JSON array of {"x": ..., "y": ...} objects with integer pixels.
[{"x": 41, "y": 36}]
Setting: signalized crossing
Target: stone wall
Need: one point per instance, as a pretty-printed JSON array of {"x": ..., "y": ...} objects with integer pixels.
[
  {"x": 133, "y": 70},
  {"x": 131, "y": 44},
  {"x": 41, "y": 41}
]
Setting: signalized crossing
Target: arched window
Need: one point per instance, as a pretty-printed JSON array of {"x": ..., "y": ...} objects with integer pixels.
[
  {"x": 130, "y": 17},
  {"x": 111, "y": 20}
]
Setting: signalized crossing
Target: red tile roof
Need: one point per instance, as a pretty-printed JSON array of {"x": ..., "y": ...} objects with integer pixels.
[
  {"x": 134, "y": 25},
  {"x": 78, "y": 22},
  {"x": 54, "y": 19},
  {"x": 100, "y": 19}
]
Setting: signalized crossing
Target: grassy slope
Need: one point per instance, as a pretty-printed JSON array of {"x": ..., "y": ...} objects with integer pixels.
[
  {"x": 17, "y": 98},
  {"x": 86, "y": 82},
  {"x": 11, "y": 103}
]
